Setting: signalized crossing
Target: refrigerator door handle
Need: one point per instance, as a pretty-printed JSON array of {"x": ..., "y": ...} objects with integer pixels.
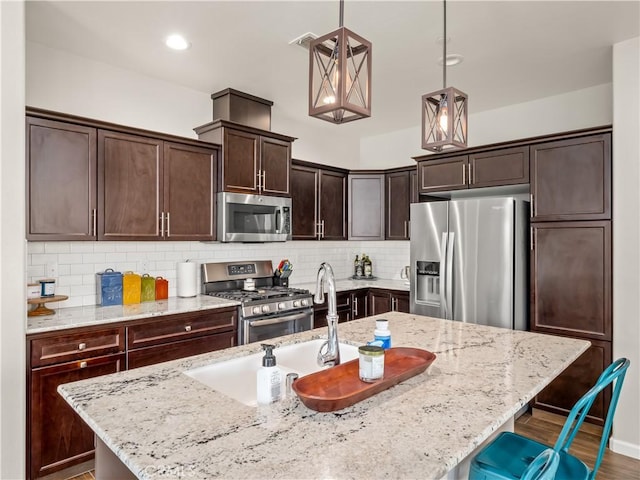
[
  {"x": 443, "y": 276},
  {"x": 449, "y": 276}
]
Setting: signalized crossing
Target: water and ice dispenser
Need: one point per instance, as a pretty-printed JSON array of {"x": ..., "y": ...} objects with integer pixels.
[{"x": 428, "y": 283}]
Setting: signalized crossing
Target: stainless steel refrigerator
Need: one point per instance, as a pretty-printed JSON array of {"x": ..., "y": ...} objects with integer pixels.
[{"x": 469, "y": 260}]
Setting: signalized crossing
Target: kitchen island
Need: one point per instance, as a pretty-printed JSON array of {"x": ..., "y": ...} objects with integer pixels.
[{"x": 160, "y": 423}]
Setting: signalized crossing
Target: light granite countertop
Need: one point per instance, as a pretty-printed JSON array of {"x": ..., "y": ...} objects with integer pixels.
[
  {"x": 93, "y": 315},
  {"x": 163, "y": 424},
  {"x": 350, "y": 284}
]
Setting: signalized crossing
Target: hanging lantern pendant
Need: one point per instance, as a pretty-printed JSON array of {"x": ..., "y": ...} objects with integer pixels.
[
  {"x": 340, "y": 76},
  {"x": 444, "y": 112}
]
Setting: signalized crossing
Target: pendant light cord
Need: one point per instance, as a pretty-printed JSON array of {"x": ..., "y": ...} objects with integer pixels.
[
  {"x": 444, "y": 47},
  {"x": 341, "y": 13}
]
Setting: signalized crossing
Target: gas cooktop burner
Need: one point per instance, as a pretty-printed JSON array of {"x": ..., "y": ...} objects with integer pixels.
[{"x": 262, "y": 293}]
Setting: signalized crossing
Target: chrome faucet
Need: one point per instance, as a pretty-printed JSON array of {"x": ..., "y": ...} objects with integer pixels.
[{"x": 329, "y": 354}]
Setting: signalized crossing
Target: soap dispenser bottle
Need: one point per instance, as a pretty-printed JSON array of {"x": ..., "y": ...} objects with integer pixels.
[{"x": 269, "y": 378}]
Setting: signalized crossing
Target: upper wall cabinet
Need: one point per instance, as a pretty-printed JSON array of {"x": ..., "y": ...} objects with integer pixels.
[
  {"x": 366, "y": 206},
  {"x": 571, "y": 179},
  {"x": 253, "y": 161},
  {"x": 318, "y": 199},
  {"x": 401, "y": 191},
  {"x": 153, "y": 190},
  {"x": 85, "y": 182},
  {"x": 509, "y": 166},
  {"x": 61, "y": 181}
]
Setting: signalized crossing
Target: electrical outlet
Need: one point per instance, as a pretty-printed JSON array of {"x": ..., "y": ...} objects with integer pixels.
[{"x": 52, "y": 270}]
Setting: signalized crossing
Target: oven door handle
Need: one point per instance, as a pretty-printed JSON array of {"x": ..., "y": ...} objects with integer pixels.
[{"x": 271, "y": 321}]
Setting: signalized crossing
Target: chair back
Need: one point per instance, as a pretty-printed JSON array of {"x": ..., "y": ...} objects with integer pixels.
[
  {"x": 543, "y": 467},
  {"x": 614, "y": 374}
]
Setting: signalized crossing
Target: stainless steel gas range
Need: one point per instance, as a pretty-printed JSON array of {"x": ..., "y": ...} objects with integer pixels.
[{"x": 266, "y": 310}]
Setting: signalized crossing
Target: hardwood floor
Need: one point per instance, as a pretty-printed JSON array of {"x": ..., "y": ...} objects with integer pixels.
[{"x": 545, "y": 428}]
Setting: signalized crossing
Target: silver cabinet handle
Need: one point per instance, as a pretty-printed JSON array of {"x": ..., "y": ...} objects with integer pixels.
[
  {"x": 531, "y": 238},
  {"x": 161, "y": 224},
  {"x": 471, "y": 180},
  {"x": 187, "y": 328},
  {"x": 264, "y": 180},
  {"x": 83, "y": 364},
  {"x": 259, "y": 181},
  {"x": 355, "y": 307},
  {"x": 531, "y": 205},
  {"x": 82, "y": 346},
  {"x": 464, "y": 174},
  {"x": 406, "y": 229},
  {"x": 322, "y": 228},
  {"x": 318, "y": 230},
  {"x": 168, "y": 226},
  {"x": 94, "y": 221}
]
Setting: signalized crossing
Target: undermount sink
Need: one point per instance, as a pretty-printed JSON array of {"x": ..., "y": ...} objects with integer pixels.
[{"x": 236, "y": 378}]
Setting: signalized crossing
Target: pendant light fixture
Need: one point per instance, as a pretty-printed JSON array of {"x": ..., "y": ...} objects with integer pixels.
[
  {"x": 444, "y": 112},
  {"x": 340, "y": 75}
]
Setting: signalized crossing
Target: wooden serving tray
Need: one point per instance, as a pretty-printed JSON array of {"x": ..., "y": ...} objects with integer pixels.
[{"x": 340, "y": 387}]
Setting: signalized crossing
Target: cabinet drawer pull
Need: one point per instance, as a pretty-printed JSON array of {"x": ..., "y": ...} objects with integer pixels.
[
  {"x": 464, "y": 174},
  {"x": 355, "y": 307},
  {"x": 83, "y": 364},
  {"x": 471, "y": 182},
  {"x": 82, "y": 346},
  {"x": 187, "y": 328}
]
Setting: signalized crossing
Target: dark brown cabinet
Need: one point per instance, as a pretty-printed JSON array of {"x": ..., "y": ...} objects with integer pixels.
[
  {"x": 85, "y": 182},
  {"x": 318, "y": 202},
  {"x": 366, "y": 206},
  {"x": 571, "y": 271},
  {"x": 571, "y": 179},
  {"x": 130, "y": 173},
  {"x": 343, "y": 309},
  {"x": 57, "y": 438},
  {"x": 181, "y": 335},
  {"x": 383, "y": 301},
  {"x": 560, "y": 396},
  {"x": 359, "y": 304},
  {"x": 507, "y": 166},
  {"x": 61, "y": 181},
  {"x": 189, "y": 180},
  {"x": 401, "y": 192},
  {"x": 253, "y": 161},
  {"x": 571, "y": 279},
  {"x": 152, "y": 190}
]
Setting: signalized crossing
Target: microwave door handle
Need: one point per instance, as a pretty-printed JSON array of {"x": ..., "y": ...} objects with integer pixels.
[
  {"x": 278, "y": 221},
  {"x": 272, "y": 321}
]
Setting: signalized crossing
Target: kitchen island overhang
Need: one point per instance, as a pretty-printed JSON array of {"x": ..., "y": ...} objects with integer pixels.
[{"x": 161, "y": 423}]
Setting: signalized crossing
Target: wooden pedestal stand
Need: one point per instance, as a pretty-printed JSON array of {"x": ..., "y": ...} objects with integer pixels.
[{"x": 40, "y": 308}]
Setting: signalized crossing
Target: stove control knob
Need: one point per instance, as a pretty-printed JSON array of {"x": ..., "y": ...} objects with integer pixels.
[
  {"x": 265, "y": 308},
  {"x": 296, "y": 303},
  {"x": 281, "y": 306},
  {"x": 304, "y": 302},
  {"x": 256, "y": 310}
]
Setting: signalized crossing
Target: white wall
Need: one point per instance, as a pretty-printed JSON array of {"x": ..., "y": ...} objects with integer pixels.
[
  {"x": 626, "y": 240},
  {"x": 12, "y": 244},
  {"x": 585, "y": 108},
  {"x": 64, "y": 82}
]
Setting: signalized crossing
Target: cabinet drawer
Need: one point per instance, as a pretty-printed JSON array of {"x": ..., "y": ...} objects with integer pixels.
[
  {"x": 343, "y": 300},
  {"x": 76, "y": 346},
  {"x": 181, "y": 327},
  {"x": 186, "y": 348}
]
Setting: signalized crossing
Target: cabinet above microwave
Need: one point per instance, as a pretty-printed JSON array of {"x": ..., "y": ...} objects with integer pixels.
[{"x": 254, "y": 161}]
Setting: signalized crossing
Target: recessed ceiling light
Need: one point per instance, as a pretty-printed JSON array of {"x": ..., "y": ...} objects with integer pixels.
[
  {"x": 452, "y": 60},
  {"x": 177, "y": 42}
]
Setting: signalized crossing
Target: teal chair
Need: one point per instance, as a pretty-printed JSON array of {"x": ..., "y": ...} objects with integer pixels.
[{"x": 509, "y": 455}]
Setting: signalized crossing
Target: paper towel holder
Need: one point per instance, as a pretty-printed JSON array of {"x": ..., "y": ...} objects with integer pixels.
[{"x": 186, "y": 274}]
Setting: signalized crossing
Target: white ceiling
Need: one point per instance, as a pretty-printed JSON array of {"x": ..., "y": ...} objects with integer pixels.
[{"x": 514, "y": 51}]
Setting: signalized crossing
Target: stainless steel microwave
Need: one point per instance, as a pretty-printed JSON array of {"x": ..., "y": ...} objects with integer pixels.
[{"x": 253, "y": 218}]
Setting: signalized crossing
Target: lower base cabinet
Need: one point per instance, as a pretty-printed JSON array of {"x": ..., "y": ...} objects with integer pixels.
[
  {"x": 561, "y": 395},
  {"x": 57, "y": 438},
  {"x": 343, "y": 307},
  {"x": 383, "y": 301}
]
